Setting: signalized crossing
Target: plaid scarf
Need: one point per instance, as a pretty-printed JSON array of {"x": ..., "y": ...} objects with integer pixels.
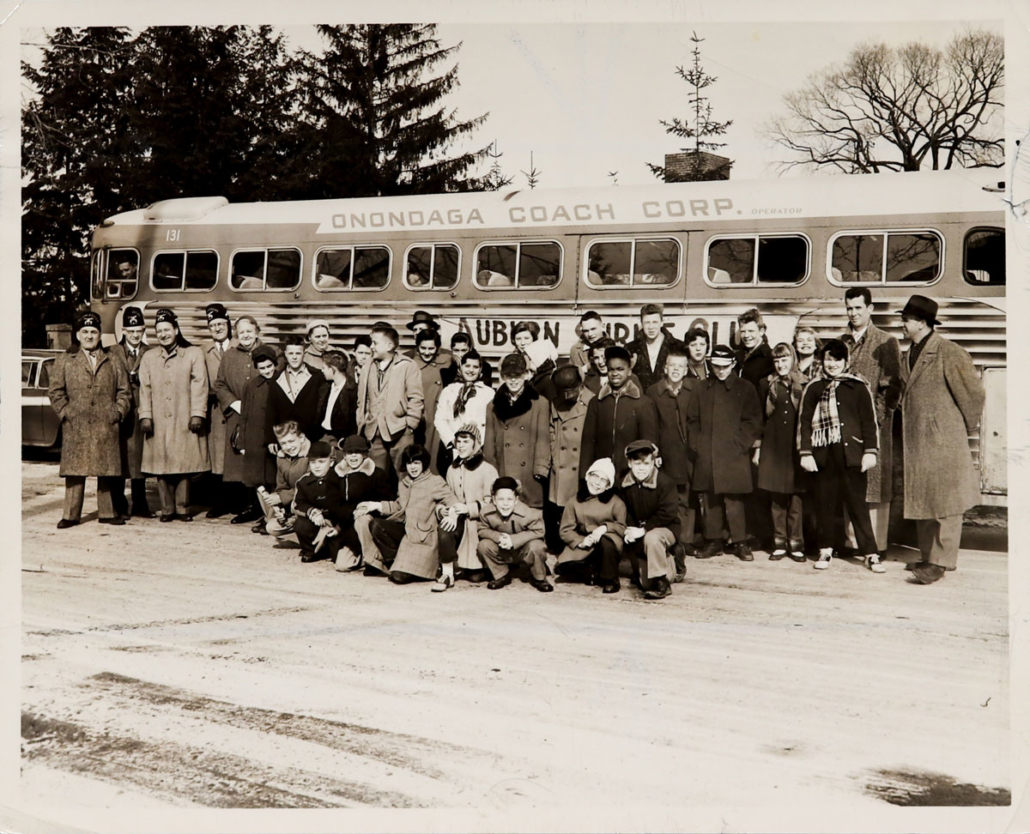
[{"x": 826, "y": 420}]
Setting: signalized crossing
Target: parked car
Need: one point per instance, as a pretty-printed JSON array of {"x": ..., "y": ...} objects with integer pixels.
[{"x": 39, "y": 423}]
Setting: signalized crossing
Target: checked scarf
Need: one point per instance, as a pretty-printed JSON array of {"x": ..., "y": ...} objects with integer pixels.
[{"x": 826, "y": 419}]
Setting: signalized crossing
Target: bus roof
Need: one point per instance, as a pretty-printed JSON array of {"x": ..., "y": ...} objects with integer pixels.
[{"x": 930, "y": 192}]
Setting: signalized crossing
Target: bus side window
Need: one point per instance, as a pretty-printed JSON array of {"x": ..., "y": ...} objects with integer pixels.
[
  {"x": 495, "y": 266},
  {"x": 201, "y": 270},
  {"x": 371, "y": 268},
  {"x": 352, "y": 267},
  {"x": 985, "y": 257},
  {"x": 283, "y": 269},
  {"x": 733, "y": 258},
  {"x": 539, "y": 264},
  {"x": 433, "y": 266},
  {"x": 248, "y": 270},
  {"x": 913, "y": 257},
  {"x": 782, "y": 260},
  {"x": 167, "y": 271},
  {"x": 858, "y": 258},
  {"x": 122, "y": 273}
]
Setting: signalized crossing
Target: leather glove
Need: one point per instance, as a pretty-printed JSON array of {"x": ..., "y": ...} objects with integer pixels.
[
  {"x": 197, "y": 425},
  {"x": 146, "y": 425}
]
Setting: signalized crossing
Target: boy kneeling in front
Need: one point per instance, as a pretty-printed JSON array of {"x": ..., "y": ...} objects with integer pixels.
[
  {"x": 313, "y": 521},
  {"x": 511, "y": 533},
  {"x": 652, "y": 519}
]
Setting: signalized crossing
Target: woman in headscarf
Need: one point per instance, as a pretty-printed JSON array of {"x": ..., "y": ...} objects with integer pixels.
[
  {"x": 592, "y": 528},
  {"x": 234, "y": 372},
  {"x": 463, "y": 401},
  {"x": 470, "y": 479},
  {"x": 173, "y": 411},
  {"x": 838, "y": 441}
]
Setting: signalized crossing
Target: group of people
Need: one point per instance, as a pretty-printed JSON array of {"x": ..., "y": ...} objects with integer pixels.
[{"x": 411, "y": 465}]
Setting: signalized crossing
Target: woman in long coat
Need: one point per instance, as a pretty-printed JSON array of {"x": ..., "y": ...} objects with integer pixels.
[
  {"x": 234, "y": 372},
  {"x": 173, "y": 407},
  {"x": 258, "y": 463},
  {"x": 517, "y": 431},
  {"x": 91, "y": 398}
]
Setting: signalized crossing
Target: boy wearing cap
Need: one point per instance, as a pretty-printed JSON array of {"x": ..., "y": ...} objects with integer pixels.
[
  {"x": 318, "y": 343},
  {"x": 618, "y": 415},
  {"x": 357, "y": 479},
  {"x": 724, "y": 420},
  {"x": 214, "y": 349},
  {"x": 568, "y": 417},
  {"x": 130, "y": 350},
  {"x": 652, "y": 522},
  {"x": 291, "y": 464},
  {"x": 89, "y": 390},
  {"x": 313, "y": 517},
  {"x": 510, "y": 533}
]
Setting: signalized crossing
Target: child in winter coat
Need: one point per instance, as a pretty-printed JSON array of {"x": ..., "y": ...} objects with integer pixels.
[
  {"x": 592, "y": 528},
  {"x": 313, "y": 520},
  {"x": 511, "y": 533},
  {"x": 357, "y": 479},
  {"x": 838, "y": 441},
  {"x": 776, "y": 453}
]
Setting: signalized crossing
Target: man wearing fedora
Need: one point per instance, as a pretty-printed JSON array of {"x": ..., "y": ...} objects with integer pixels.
[
  {"x": 421, "y": 320},
  {"x": 940, "y": 408}
]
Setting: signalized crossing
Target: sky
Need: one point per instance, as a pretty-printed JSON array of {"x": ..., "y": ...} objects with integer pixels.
[{"x": 586, "y": 99}]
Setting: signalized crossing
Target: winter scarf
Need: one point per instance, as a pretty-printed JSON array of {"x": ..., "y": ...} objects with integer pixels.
[{"x": 826, "y": 420}]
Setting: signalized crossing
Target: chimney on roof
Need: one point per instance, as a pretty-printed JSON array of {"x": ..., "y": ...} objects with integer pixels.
[{"x": 696, "y": 166}]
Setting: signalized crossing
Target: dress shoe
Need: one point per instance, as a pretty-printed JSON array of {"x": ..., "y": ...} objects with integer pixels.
[
  {"x": 611, "y": 587},
  {"x": 113, "y": 520},
  {"x": 475, "y": 576},
  {"x": 927, "y": 573},
  {"x": 798, "y": 555},
  {"x": 497, "y": 584},
  {"x": 309, "y": 556},
  {"x": 168, "y": 517},
  {"x": 185, "y": 517},
  {"x": 216, "y": 512},
  {"x": 371, "y": 570},
  {"x": 542, "y": 585},
  {"x": 246, "y": 516},
  {"x": 443, "y": 582},
  {"x": 743, "y": 552},
  {"x": 65, "y": 523},
  {"x": 145, "y": 512},
  {"x": 710, "y": 550},
  {"x": 660, "y": 590}
]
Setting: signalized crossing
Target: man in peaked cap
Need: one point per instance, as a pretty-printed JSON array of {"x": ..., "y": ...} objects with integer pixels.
[
  {"x": 130, "y": 350},
  {"x": 940, "y": 408},
  {"x": 220, "y": 328}
]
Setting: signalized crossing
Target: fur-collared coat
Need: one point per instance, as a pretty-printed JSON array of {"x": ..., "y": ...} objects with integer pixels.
[
  {"x": 723, "y": 420},
  {"x": 940, "y": 408},
  {"x": 418, "y": 500},
  {"x": 471, "y": 481},
  {"x": 517, "y": 441},
  {"x": 132, "y": 437},
  {"x": 614, "y": 421},
  {"x": 566, "y": 439},
  {"x": 173, "y": 388},
  {"x": 90, "y": 405},
  {"x": 877, "y": 359}
]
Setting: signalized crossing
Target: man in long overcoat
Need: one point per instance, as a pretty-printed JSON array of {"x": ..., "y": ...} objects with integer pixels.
[
  {"x": 567, "y": 420},
  {"x": 940, "y": 408},
  {"x": 723, "y": 421},
  {"x": 876, "y": 357},
  {"x": 89, "y": 390},
  {"x": 220, "y": 327},
  {"x": 130, "y": 350}
]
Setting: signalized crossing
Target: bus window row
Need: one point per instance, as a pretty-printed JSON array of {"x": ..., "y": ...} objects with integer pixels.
[{"x": 911, "y": 257}]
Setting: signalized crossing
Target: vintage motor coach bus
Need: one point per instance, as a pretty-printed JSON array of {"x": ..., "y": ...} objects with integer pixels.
[{"x": 481, "y": 262}]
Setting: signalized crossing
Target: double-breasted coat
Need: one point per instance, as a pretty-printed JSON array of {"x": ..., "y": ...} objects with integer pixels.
[
  {"x": 90, "y": 403},
  {"x": 132, "y": 437},
  {"x": 234, "y": 372},
  {"x": 723, "y": 421},
  {"x": 216, "y": 417},
  {"x": 418, "y": 500},
  {"x": 876, "y": 358},
  {"x": 941, "y": 406},
  {"x": 566, "y": 438},
  {"x": 779, "y": 463},
  {"x": 173, "y": 388},
  {"x": 517, "y": 441}
]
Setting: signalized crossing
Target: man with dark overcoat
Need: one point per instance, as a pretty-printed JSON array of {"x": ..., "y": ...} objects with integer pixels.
[
  {"x": 220, "y": 328},
  {"x": 876, "y": 357},
  {"x": 89, "y": 390},
  {"x": 941, "y": 406},
  {"x": 130, "y": 350}
]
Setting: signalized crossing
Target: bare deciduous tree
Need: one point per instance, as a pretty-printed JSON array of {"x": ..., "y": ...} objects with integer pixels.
[{"x": 900, "y": 109}]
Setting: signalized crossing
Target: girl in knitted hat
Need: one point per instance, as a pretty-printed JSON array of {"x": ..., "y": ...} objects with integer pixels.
[{"x": 592, "y": 528}]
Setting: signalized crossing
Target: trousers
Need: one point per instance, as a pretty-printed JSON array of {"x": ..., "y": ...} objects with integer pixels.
[
  {"x": 174, "y": 492},
  {"x": 75, "y": 494},
  {"x": 839, "y": 485},
  {"x": 879, "y": 516},
  {"x": 786, "y": 518},
  {"x": 939, "y": 540},
  {"x": 533, "y": 553},
  {"x": 721, "y": 510},
  {"x": 651, "y": 554},
  {"x": 601, "y": 562}
]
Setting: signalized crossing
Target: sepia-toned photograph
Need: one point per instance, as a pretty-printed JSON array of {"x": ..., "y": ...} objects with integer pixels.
[{"x": 525, "y": 420}]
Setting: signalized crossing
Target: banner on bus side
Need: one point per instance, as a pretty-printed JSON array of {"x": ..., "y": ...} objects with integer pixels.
[{"x": 493, "y": 336}]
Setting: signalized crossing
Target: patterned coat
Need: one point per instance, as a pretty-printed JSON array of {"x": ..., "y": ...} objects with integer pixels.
[
  {"x": 91, "y": 405},
  {"x": 132, "y": 437},
  {"x": 877, "y": 359},
  {"x": 216, "y": 418},
  {"x": 471, "y": 482},
  {"x": 940, "y": 408},
  {"x": 234, "y": 372},
  {"x": 566, "y": 436},
  {"x": 416, "y": 506},
  {"x": 173, "y": 388}
]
